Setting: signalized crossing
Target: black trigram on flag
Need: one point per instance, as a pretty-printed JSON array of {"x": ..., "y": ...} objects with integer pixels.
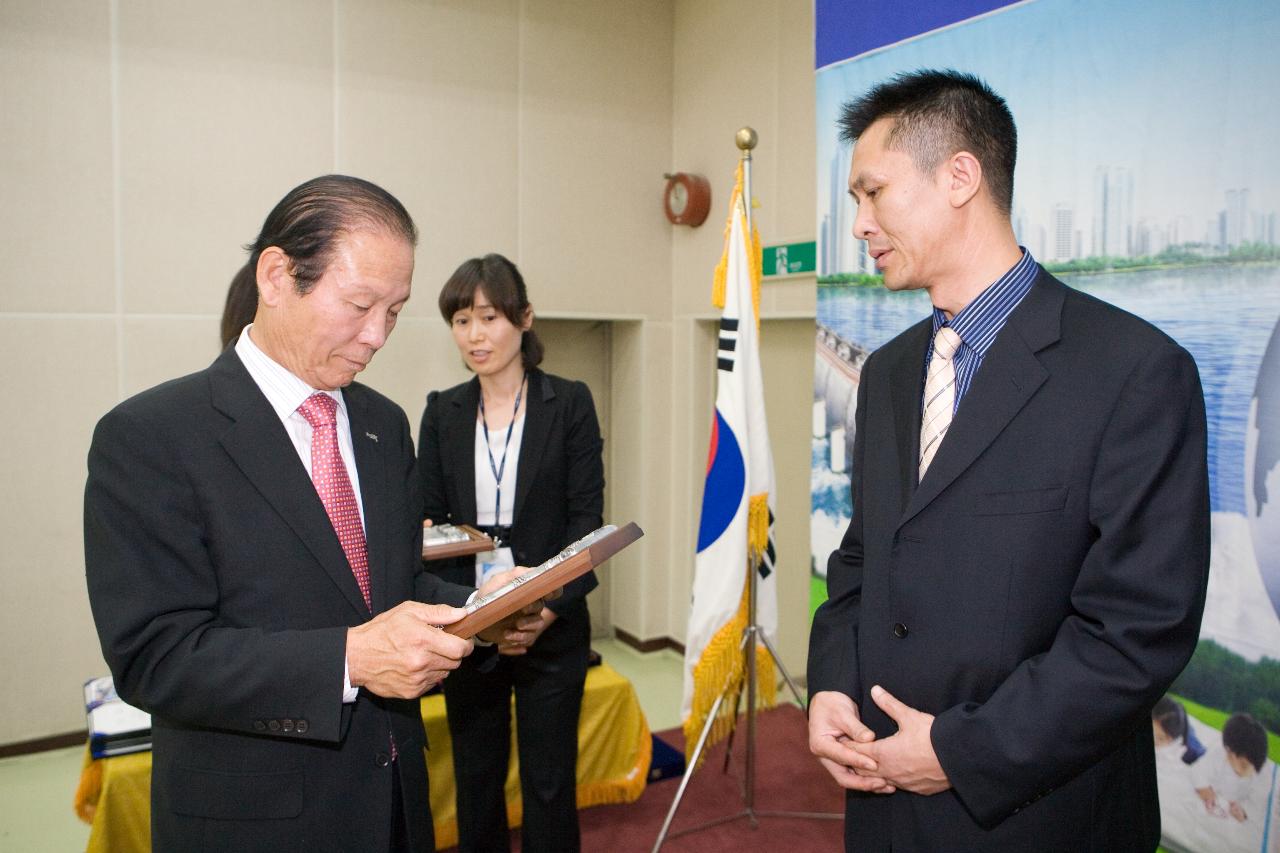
[
  {"x": 725, "y": 352},
  {"x": 768, "y": 557}
]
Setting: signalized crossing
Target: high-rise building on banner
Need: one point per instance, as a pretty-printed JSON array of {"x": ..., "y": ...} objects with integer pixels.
[
  {"x": 1062, "y": 232},
  {"x": 1149, "y": 238},
  {"x": 863, "y": 262},
  {"x": 1021, "y": 225},
  {"x": 838, "y": 221},
  {"x": 827, "y": 247},
  {"x": 1113, "y": 212},
  {"x": 1236, "y": 225},
  {"x": 1180, "y": 230}
]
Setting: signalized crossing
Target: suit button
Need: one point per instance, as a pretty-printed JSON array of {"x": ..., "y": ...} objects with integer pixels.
[
  {"x": 382, "y": 759},
  {"x": 899, "y": 630},
  {"x": 287, "y": 725},
  {"x": 259, "y": 726},
  {"x": 302, "y": 726},
  {"x": 274, "y": 725}
]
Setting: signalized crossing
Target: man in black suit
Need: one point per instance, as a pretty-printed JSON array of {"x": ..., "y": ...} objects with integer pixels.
[
  {"x": 1024, "y": 572},
  {"x": 253, "y": 555}
]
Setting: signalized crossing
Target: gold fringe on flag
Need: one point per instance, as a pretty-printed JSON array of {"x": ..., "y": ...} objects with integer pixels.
[
  {"x": 755, "y": 259},
  {"x": 722, "y": 669},
  {"x": 758, "y": 524}
]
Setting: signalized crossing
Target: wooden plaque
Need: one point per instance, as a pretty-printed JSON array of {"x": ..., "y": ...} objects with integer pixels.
[
  {"x": 474, "y": 544},
  {"x": 573, "y": 562}
]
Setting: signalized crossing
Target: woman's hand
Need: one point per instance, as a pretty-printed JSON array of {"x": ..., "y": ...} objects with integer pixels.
[{"x": 531, "y": 630}]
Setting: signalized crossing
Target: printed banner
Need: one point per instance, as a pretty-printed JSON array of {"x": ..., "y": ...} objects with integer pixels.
[{"x": 1146, "y": 176}]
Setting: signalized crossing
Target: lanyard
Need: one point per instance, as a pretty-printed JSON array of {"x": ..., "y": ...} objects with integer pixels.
[{"x": 495, "y": 467}]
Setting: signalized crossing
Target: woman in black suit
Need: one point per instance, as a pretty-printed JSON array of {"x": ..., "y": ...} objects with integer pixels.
[{"x": 517, "y": 453}]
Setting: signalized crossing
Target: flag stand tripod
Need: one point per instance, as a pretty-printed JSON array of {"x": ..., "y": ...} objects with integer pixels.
[{"x": 751, "y": 636}]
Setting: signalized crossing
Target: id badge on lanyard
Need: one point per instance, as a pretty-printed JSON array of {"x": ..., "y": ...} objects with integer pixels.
[{"x": 489, "y": 563}]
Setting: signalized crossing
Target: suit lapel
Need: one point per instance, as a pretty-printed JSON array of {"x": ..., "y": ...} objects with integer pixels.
[
  {"x": 1008, "y": 378},
  {"x": 537, "y": 427},
  {"x": 906, "y": 377},
  {"x": 371, "y": 466},
  {"x": 459, "y": 448},
  {"x": 260, "y": 447}
]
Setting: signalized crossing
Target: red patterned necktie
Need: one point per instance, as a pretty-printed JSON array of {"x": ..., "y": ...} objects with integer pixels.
[{"x": 329, "y": 475}]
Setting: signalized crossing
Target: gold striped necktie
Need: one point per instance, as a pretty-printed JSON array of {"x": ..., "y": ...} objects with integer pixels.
[{"x": 939, "y": 395}]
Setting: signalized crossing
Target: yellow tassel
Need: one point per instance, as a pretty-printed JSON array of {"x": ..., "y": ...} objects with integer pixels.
[
  {"x": 755, "y": 255},
  {"x": 718, "y": 283},
  {"x": 721, "y": 669},
  {"x": 757, "y": 260},
  {"x": 758, "y": 524},
  {"x": 722, "y": 268}
]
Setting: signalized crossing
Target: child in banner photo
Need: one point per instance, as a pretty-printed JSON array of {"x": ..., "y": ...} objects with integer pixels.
[
  {"x": 1215, "y": 790},
  {"x": 1234, "y": 786},
  {"x": 1174, "y": 735}
]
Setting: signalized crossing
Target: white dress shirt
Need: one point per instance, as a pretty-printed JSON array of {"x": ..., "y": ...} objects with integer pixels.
[
  {"x": 486, "y": 484},
  {"x": 286, "y": 392}
]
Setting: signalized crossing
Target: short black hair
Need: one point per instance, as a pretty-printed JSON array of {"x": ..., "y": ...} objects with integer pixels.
[
  {"x": 1171, "y": 716},
  {"x": 936, "y": 114},
  {"x": 1245, "y": 736},
  {"x": 501, "y": 281},
  {"x": 308, "y": 221}
]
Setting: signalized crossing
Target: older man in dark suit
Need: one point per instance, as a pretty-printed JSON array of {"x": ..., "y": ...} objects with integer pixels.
[
  {"x": 1025, "y": 569},
  {"x": 253, "y": 552}
]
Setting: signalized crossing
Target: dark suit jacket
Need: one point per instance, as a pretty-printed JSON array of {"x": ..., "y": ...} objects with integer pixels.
[
  {"x": 559, "y": 478},
  {"x": 222, "y": 600},
  {"x": 1037, "y": 591}
]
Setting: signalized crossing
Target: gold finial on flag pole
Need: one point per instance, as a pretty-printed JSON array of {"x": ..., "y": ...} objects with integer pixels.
[{"x": 746, "y": 140}]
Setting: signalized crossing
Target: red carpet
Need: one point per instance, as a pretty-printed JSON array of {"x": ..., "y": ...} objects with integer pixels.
[{"x": 788, "y": 778}]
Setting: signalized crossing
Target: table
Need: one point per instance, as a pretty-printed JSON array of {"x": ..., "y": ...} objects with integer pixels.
[{"x": 614, "y": 751}]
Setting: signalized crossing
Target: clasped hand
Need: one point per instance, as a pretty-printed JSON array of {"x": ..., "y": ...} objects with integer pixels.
[
  {"x": 857, "y": 760},
  {"x": 514, "y": 634}
]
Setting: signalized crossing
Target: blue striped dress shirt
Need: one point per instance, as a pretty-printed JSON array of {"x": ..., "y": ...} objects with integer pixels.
[{"x": 978, "y": 322}]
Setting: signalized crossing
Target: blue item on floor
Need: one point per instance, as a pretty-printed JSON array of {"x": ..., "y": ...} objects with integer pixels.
[{"x": 668, "y": 762}]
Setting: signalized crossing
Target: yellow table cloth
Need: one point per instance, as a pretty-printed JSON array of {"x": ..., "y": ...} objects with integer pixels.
[{"x": 614, "y": 751}]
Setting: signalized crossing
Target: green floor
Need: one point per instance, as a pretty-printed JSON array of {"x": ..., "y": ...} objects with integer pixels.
[{"x": 36, "y": 791}]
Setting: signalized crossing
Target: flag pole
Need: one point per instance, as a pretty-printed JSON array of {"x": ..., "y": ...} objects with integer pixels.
[{"x": 746, "y": 140}]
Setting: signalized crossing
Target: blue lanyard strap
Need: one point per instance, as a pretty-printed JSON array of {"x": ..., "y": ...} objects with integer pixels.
[{"x": 495, "y": 467}]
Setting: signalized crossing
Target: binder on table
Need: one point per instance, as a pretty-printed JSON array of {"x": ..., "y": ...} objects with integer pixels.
[{"x": 115, "y": 727}]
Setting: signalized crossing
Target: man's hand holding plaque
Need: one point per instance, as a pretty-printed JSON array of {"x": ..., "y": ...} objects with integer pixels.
[{"x": 523, "y": 588}]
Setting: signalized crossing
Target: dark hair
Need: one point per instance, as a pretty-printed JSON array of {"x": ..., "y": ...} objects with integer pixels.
[
  {"x": 936, "y": 114},
  {"x": 1245, "y": 736},
  {"x": 1171, "y": 716},
  {"x": 308, "y": 221},
  {"x": 242, "y": 303},
  {"x": 503, "y": 284}
]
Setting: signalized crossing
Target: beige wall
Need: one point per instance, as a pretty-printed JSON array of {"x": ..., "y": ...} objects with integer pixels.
[
  {"x": 143, "y": 142},
  {"x": 762, "y": 77}
]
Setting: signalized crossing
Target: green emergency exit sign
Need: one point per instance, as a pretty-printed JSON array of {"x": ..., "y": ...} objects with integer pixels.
[{"x": 789, "y": 259}]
